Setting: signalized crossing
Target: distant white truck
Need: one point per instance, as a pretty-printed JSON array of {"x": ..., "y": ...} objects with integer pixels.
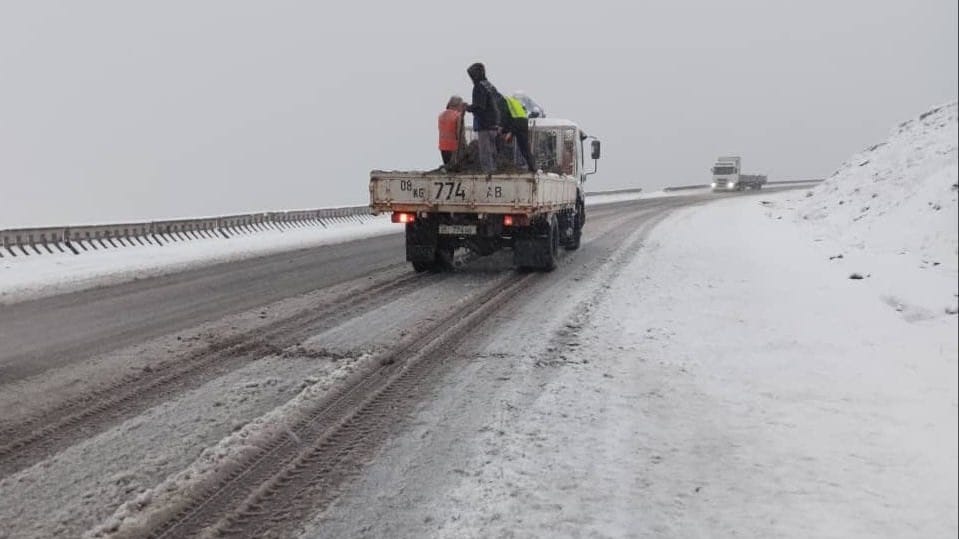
[{"x": 728, "y": 176}]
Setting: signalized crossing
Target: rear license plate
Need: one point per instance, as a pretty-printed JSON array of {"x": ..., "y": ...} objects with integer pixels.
[{"x": 458, "y": 230}]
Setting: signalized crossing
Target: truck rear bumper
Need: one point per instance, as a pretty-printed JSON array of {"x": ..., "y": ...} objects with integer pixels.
[{"x": 502, "y": 194}]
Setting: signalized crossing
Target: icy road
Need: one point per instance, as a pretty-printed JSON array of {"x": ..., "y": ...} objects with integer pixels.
[{"x": 698, "y": 368}]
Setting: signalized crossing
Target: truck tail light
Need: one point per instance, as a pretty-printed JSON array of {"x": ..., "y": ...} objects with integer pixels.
[
  {"x": 403, "y": 217},
  {"x": 516, "y": 220}
]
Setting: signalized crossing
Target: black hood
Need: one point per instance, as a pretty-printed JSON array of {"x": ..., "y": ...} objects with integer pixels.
[{"x": 477, "y": 72}]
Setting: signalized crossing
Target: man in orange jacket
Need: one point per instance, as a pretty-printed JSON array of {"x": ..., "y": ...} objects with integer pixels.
[{"x": 451, "y": 129}]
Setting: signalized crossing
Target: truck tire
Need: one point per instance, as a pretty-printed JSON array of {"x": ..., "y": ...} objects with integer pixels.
[
  {"x": 577, "y": 229},
  {"x": 420, "y": 267},
  {"x": 422, "y": 245},
  {"x": 442, "y": 262},
  {"x": 551, "y": 247}
]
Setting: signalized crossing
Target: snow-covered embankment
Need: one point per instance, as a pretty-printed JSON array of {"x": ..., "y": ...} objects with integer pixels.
[{"x": 890, "y": 214}]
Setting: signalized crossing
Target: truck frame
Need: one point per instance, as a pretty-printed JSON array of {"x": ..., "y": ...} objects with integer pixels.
[{"x": 533, "y": 214}]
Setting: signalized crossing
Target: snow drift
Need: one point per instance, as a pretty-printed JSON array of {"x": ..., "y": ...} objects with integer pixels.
[{"x": 896, "y": 203}]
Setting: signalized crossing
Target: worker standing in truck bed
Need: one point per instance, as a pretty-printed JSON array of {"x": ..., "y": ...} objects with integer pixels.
[
  {"x": 517, "y": 127},
  {"x": 486, "y": 115},
  {"x": 451, "y": 130}
]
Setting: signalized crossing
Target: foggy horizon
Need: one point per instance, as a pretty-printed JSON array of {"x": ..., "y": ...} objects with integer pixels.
[{"x": 114, "y": 112}]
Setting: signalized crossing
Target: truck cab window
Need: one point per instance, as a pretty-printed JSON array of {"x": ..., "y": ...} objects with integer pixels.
[
  {"x": 555, "y": 149},
  {"x": 544, "y": 150},
  {"x": 569, "y": 151}
]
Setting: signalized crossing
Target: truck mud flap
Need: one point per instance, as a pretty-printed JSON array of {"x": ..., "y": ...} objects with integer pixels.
[
  {"x": 536, "y": 247},
  {"x": 421, "y": 241},
  {"x": 530, "y": 252}
]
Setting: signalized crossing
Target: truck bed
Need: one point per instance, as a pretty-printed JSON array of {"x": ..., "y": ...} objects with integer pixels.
[{"x": 523, "y": 193}]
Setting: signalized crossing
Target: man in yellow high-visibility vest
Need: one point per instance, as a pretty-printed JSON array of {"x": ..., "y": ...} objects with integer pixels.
[{"x": 518, "y": 128}]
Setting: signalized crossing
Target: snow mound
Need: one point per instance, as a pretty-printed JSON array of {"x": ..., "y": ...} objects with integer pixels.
[{"x": 898, "y": 196}]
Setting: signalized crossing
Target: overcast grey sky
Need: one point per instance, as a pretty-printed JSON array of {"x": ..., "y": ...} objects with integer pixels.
[{"x": 122, "y": 110}]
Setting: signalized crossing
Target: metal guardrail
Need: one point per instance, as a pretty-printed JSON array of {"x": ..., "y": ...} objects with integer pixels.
[
  {"x": 706, "y": 185},
  {"x": 614, "y": 192},
  {"x": 685, "y": 187},
  {"x": 797, "y": 181},
  {"x": 79, "y": 239}
]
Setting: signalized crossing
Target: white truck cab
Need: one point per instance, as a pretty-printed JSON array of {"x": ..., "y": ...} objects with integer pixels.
[
  {"x": 726, "y": 173},
  {"x": 728, "y": 176}
]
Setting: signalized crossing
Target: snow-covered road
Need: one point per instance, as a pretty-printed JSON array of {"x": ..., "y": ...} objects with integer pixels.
[
  {"x": 774, "y": 364},
  {"x": 699, "y": 368},
  {"x": 132, "y": 421},
  {"x": 725, "y": 381}
]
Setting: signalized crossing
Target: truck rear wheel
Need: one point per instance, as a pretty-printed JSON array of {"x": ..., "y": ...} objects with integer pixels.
[
  {"x": 577, "y": 229},
  {"x": 552, "y": 246},
  {"x": 442, "y": 262},
  {"x": 422, "y": 245},
  {"x": 420, "y": 267}
]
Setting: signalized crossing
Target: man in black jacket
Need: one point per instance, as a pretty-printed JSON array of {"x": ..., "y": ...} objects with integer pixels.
[{"x": 488, "y": 115}]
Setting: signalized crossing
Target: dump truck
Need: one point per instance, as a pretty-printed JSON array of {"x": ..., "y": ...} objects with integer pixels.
[
  {"x": 728, "y": 176},
  {"x": 531, "y": 213}
]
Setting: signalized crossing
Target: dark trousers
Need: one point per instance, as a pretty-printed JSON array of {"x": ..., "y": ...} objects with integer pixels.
[
  {"x": 487, "y": 150},
  {"x": 447, "y": 155},
  {"x": 522, "y": 145}
]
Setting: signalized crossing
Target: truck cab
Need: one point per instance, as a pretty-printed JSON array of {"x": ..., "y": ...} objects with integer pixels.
[
  {"x": 557, "y": 146},
  {"x": 726, "y": 174}
]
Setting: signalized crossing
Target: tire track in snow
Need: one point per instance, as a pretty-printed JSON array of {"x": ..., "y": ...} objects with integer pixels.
[
  {"x": 280, "y": 482},
  {"x": 300, "y": 473},
  {"x": 39, "y": 436}
]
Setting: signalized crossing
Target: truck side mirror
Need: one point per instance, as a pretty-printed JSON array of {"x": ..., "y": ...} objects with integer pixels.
[{"x": 595, "y": 149}]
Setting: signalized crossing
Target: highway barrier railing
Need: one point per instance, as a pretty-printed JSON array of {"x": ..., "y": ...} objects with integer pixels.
[
  {"x": 615, "y": 192},
  {"x": 685, "y": 187},
  {"x": 79, "y": 239},
  {"x": 706, "y": 186}
]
